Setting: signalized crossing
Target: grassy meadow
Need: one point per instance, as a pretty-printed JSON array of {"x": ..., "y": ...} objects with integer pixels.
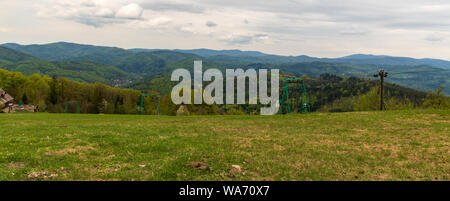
[{"x": 390, "y": 145}]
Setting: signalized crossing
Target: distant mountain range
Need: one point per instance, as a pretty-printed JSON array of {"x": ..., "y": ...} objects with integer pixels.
[
  {"x": 68, "y": 51},
  {"x": 208, "y": 52},
  {"x": 89, "y": 63}
]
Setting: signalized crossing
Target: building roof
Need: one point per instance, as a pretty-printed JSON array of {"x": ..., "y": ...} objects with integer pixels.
[{"x": 5, "y": 97}]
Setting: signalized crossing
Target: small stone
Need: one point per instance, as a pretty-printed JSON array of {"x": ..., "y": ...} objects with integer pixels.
[{"x": 142, "y": 166}]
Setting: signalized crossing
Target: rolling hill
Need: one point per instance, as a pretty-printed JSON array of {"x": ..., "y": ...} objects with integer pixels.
[
  {"x": 389, "y": 60},
  {"x": 72, "y": 51},
  {"x": 420, "y": 74},
  {"x": 61, "y": 51},
  {"x": 89, "y": 72},
  {"x": 429, "y": 77},
  {"x": 9, "y": 56},
  {"x": 208, "y": 52}
]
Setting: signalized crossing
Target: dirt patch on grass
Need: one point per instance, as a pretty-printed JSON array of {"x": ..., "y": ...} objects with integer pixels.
[
  {"x": 16, "y": 165},
  {"x": 197, "y": 165},
  {"x": 70, "y": 150},
  {"x": 41, "y": 175}
]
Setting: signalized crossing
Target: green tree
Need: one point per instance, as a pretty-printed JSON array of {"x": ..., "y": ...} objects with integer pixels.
[
  {"x": 25, "y": 99},
  {"x": 437, "y": 100},
  {"x": 53, "y": 93}
]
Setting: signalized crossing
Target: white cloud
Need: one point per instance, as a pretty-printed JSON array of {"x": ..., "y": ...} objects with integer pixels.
[
  {"x": 104, "y": 12},
  {"x": 325, "y": 28},
  {"x": 95, "y": 13},
  {"x": 130, "y": 11},
  {"x": 245, "y": 39},
  {"x": 158, "y": 22}
]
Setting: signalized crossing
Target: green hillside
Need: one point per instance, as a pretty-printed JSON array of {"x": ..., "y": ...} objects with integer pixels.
[
  {"x": 62, "y": 50},
  {"x": 78, "y": 71},
  {"x": 9, "y": 56},
  {"x": 152, "y": 63},
  {"x": 89, "y": 72},
  {"x": 423, "y": 78}
]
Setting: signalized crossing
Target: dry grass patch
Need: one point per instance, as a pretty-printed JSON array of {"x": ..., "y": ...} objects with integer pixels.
[{"x": 70, "y": 150}]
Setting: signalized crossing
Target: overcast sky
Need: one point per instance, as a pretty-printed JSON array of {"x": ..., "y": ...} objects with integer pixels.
[{"x": 321, "y": 28}]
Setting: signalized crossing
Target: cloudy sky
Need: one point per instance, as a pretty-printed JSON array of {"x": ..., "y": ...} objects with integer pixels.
[{"x": 321, "y": 28}]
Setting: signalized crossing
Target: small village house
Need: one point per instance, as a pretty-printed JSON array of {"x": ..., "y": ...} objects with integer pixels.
[{"x": 5, "y": 100}]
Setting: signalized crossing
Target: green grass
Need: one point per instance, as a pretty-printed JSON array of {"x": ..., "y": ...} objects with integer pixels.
[{"x": 393, "y": 145}]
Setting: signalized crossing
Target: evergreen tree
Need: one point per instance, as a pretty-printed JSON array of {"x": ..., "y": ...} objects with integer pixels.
[
  {"x": 24, "y": 99},
  {"x": 53, "y": 93}
]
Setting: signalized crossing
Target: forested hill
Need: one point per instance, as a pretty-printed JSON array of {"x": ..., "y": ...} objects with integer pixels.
[
  {"x": 61, "y": 51},
  {"x": 9, "y": 56},
  {"x": 82, "y": 71},
  {"x": 326, "y": 93},
  {"x": 71, "y": 51},
  {"x": 423, "y": 78},
  {"x": 117, "y": 66},
  {"x": 323, "y": 90}
]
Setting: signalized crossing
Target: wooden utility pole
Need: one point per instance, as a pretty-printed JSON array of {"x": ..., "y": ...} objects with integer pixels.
[{"x": 382, "y": 75}]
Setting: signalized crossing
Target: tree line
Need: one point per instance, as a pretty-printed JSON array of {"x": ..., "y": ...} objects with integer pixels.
[{"x": 327, "y": 93}]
